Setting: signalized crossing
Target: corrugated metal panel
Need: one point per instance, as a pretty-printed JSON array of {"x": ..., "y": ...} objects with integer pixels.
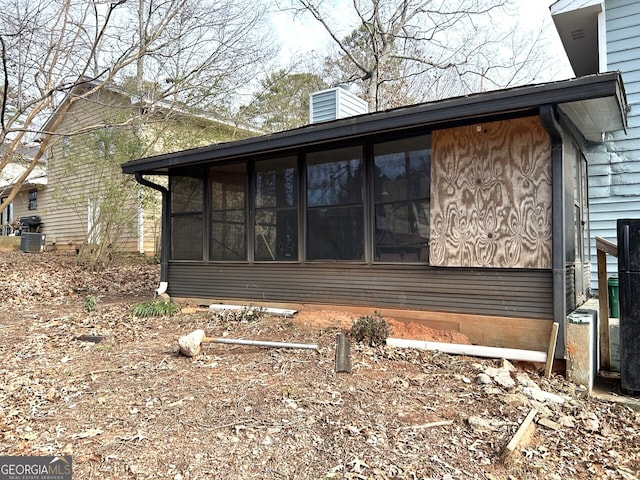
[{"x": 502, "y": 292}]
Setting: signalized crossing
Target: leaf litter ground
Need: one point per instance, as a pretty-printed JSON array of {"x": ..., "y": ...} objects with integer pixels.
[{"x": 131, "y": 407}]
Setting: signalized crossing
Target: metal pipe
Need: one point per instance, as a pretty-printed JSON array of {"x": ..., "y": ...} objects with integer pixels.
[
  {"x": 165, "y": 228},
  {"x": 260, "y": 343},
  {"x": 547, "y": 116}
]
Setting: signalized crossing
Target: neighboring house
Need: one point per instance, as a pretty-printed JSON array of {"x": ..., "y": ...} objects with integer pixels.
[
  {"x": 25, "y": 203},
  {"x": 96, "y": 134},
  {"x": 462, "y": 209},
  {"x": 600, "y": 36}
]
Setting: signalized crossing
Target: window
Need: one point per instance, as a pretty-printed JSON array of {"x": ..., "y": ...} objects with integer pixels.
[
  {"x": 66, "y": 141},
  {"x": 276, "y": 215},
  {"x": 33, "y": 200},
  {"x": 6, "y": 217},
  {"x": 227, "y": 234},
  {"x": 335, "y": 213},
  {"x": 401, "y": 200},
  {"x": 106, "y": 142},
  {"x": 187, "y": 195}
]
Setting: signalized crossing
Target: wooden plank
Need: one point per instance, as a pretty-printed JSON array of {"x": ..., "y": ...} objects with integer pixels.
[
  {"x": 551, "y": 351},
  {"x": 603, "y": 314},
  {"x": 517, "y": 438},
  {"x": 604, "y": 245}
]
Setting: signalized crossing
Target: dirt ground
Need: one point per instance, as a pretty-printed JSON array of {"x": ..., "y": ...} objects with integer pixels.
[{"x": 112, "y": 390}]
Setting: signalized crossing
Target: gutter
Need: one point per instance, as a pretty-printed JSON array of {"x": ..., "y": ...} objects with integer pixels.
[
  {"x": 165, "y": 231},
  {"x": 548, "y": 118}
]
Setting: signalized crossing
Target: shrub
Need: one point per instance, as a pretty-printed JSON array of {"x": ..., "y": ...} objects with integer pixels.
[
  {"x": 90, "y": 303},
  {"x": 371, "y": 330},
  {"x": 154, "y": 308}
]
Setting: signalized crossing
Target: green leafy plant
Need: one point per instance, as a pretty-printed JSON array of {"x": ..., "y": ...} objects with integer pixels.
[
  {"x": 155, "y": 308},
  {"x": 90, "y": 303},
  {"x": 371, "y": 330}
]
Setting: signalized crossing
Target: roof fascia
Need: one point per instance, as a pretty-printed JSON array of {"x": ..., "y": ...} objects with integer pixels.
[{"x": 430, "y": 114}]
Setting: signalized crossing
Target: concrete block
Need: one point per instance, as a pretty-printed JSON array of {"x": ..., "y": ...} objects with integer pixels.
[{"x": 582, "y": 349}]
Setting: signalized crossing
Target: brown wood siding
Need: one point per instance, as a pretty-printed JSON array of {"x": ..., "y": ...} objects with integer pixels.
[{"x": 500, "y": 292}]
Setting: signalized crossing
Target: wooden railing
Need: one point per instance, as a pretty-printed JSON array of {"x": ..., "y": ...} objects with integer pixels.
[{"x": 604, "y": 248}]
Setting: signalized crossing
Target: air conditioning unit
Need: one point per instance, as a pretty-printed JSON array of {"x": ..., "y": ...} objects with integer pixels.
[
  {"x": 32, "y": 242},
  {"x": 335, "y": 103}
]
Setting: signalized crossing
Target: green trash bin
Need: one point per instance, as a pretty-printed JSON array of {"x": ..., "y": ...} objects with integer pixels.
[{"x": 614, "y": 299}]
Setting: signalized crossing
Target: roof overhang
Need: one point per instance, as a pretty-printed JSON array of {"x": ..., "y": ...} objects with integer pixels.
[
  {"x": 577, "y": 24},
  {"x": 595, "y": 104},
  {"x": 12, "y": 172}
]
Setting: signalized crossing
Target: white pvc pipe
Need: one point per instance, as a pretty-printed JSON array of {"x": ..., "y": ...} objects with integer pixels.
[
  {"x": 162, "y": 288},
  {"x": 471, "y": 350}
]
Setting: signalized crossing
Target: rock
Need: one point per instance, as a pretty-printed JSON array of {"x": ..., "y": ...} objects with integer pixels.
[
  {"x": 542, "y": 396},
  {"x": 190, "y": 345},
  {"x": 507, "y": 365},
  {"x": 483, "y": 379},
  {"x": 567, "y": 421},
  {"x": 479, "y": 425},
  {"x": 516, "y": 400},
  {"x": 590, "y": 422},
  {"x": 524, "y": 380},
  {"x": 501, "y": 376}
]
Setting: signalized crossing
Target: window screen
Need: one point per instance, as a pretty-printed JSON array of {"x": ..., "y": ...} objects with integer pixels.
[
  {"x": 401, "y": 200},
  {"x": 276, "y": 217},
  {"x": 335, "y": 213}
]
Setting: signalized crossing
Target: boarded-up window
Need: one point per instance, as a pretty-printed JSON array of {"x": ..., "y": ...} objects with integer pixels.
[{"x": 491, "y": 195}]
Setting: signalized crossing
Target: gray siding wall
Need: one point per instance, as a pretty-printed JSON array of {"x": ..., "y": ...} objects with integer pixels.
[
  {"x": 614, "y": 167},
  {"x": 516, "y": 293}
]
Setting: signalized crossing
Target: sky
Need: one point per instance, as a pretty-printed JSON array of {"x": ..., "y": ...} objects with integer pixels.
[{"x": 304, "y": 35}]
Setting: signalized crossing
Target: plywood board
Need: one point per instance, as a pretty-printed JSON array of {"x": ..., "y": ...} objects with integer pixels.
[{"x": 491, "y": 195}]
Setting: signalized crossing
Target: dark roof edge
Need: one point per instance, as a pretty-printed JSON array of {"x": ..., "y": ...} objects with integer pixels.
[{"x": 457, "y": 108}]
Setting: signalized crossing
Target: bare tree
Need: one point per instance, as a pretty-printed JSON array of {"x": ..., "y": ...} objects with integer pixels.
[
  {"x": 399, "y": 51},
  {"x": 191, "y": 52}
]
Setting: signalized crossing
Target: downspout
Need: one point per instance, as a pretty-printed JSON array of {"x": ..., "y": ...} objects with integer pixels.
[
  {"x": 547, "y": 116},
  {"x": 165, "y": 232}
]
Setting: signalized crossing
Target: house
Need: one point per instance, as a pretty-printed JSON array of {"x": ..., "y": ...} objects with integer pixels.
[
  {"x": 600, "y": 36},
  {"x": 100, "y": 130},
  {"x": 462, "y": 210},
  {"x": 26, "y": 200}
]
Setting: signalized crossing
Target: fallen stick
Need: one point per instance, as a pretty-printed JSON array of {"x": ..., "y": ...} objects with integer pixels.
[
  {"x": 471, "y": 350},
  {"x": 517, "y": 437}
]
